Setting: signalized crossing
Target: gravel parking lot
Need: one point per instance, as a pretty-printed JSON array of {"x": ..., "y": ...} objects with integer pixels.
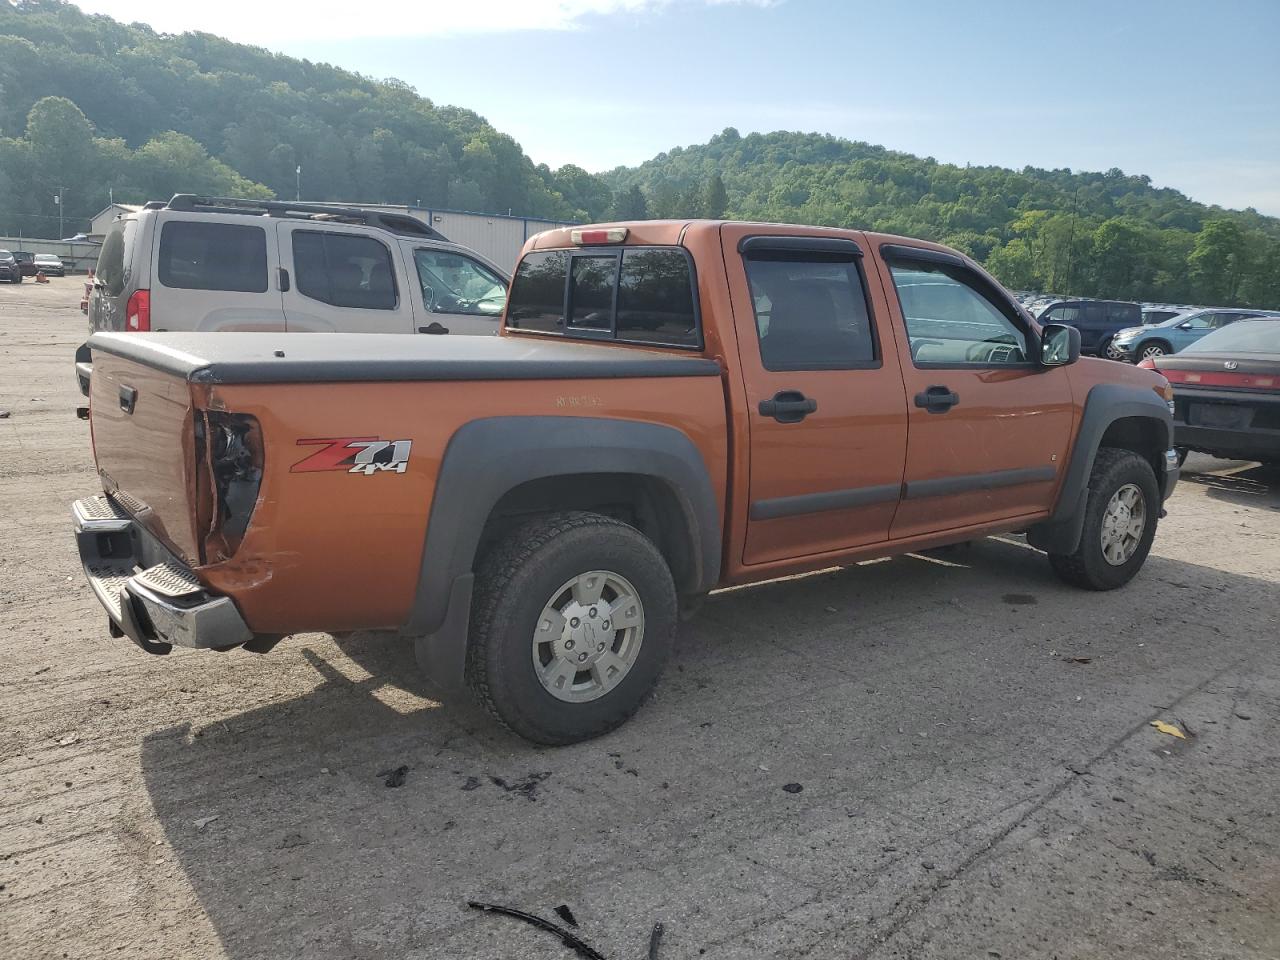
[{"x": 978, "y": 774}]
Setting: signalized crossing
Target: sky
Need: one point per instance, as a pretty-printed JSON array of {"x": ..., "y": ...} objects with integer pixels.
[{"x": 1184, "y": 91}]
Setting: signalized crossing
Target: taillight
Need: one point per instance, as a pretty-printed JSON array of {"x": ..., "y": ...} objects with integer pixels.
[
  {"x": 1147, "y": 364},
  {"x": 606, "y": 235},
  {"x": 137, "y": 312}
]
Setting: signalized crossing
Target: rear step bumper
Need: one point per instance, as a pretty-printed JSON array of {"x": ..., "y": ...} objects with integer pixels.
[{"x": 150, "y": 596}]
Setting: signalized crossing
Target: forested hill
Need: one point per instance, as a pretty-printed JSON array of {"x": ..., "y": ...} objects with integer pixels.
[
  {"x": 1104, "y": 234},
  {"x": 196, "y": 112},
  {"x": 89, "y": 106}
]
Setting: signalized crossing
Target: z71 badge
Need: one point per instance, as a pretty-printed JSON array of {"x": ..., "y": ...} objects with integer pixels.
[{"x": 367, "y": 455}]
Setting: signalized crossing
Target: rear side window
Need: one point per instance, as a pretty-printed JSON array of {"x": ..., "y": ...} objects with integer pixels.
[
  {"x": 113, "y": 265},
  {"x": 213, "y": 256},
  {"x": 636, "y": 295},
  {"x": 810, "y": 314},
  {"x": 1129, "y": 314},
  {"x": 344, "y": 270}
]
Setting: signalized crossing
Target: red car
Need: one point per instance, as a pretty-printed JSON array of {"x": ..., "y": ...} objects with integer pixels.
[{"x": 1226, "y": 392}]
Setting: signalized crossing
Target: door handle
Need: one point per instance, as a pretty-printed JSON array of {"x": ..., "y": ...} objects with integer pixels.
[
  {"x": 128, "y": 398},
  {"x": 284, "y": 279},
  {"x": 435, "y": 327},
  {"x": 788, "y": 406},
  {"x": 937, "y": 399}
]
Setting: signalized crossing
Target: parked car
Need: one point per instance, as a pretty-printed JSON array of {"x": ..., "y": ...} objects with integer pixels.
[
  {"x": 1151, "y": 315},
  {"x": 26, "y": 262},
  {"x": 1226, "y": 392},
  {"x": 10, "y": 269},
  {"x": 214, "y": 264},
  {"x": 49, "y": 265},
  {"x": 1177, "y": 333},
  {"x": 534, "y": 508},
  {"x": 1097, "y": 320}
]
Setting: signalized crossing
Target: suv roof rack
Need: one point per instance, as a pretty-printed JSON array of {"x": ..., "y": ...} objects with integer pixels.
[{"x": 398, "y": 223}]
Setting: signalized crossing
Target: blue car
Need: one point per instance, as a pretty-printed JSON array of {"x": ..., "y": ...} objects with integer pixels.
[{"x": 1142, "y": 343}]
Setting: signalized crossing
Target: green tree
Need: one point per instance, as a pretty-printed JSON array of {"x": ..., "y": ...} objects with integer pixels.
[
  {"x": 1219, "y": 261},
  {"x": 630, "y": 205},
  {"x": 716, "y": 201}
]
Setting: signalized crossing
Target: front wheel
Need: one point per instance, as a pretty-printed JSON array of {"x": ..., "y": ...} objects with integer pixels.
[
  {"x": 573, "y": 619},
  {"x": 1121, "y": 513},
  {"x": 1111, "y": 351}
]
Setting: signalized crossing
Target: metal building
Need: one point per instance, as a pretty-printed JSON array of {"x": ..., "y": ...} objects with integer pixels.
[{"x": 496, "y": 236}]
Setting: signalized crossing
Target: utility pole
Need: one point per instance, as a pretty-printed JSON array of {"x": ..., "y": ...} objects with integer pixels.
[
  {"x": 297, "y": 193},
  {"x": 58, "y": 200}
]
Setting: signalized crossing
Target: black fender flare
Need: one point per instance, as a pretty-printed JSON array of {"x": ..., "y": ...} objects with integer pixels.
[
  {"x": 1105, "y": 404},
  {"x": 487, "y": 458}
]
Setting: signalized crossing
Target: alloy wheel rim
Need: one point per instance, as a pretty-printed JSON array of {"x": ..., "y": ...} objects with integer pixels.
[
  {"x": 1123, "y": 523},
  {"x": 588, "y": 636},
  {"x": 1152, "y": 351}
]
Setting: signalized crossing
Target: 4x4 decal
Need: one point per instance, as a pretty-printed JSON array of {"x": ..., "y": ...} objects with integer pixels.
[{"x": 367, "y": 455}]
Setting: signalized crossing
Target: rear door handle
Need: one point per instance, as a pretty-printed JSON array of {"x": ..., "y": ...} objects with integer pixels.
[
  {"x": 937, "y": 399},
  {"x": 788, "y": 406}
]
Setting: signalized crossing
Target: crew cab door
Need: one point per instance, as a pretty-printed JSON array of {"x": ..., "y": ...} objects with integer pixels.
[
  {"x": 825, "y": 403},
  {"x": 989, "y": 430},
  {"x": 209, "y": 274},
  {"x": 337, "y": 277}
]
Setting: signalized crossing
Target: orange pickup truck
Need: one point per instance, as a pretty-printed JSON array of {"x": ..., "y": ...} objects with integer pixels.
[{"x": 671, "y": 407}]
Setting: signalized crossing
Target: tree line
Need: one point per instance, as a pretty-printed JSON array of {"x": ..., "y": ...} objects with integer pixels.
[{"x": 91, "y": 108}]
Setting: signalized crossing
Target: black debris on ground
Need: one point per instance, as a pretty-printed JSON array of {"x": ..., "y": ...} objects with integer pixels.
[
  {"x": 580, "y": 947},
  {"x": 565, "y": 914},
  {"x": 527, "y": 788},
  {"x": 471, "y": 783},
  {"x": 655, "y": 940},
  {"x": 793, "y": 787},
  {"x": 393, "y": 777}
]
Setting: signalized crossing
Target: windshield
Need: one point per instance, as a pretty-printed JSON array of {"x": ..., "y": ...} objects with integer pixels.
[{"x": 1245, "y": 336}]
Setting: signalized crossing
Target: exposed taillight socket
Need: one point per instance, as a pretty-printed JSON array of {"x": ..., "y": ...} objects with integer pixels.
[
  {"x": 137, "y": 312},
  {"x": 229, "y": 476}
]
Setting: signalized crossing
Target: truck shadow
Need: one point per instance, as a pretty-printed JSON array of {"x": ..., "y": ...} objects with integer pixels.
[{"x": 888, "y": 692}]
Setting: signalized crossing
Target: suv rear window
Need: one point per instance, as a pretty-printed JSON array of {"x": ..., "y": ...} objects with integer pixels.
[
  {"x": 113, "y": 267},
  {"x": 213, "y": 256},
  {"x": 635, "y": 295}
]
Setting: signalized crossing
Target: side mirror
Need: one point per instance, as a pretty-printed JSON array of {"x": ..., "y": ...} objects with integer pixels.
[
  {"x": 1059, "y": 345},
  {"x": 1185, "y": 325}
]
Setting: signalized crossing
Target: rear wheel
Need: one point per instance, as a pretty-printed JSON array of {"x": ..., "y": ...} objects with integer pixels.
[
  {"x": 1121, "y": 514},
  {"x": 1152, "y": 350},
  {"x": 573, "y": 620}
]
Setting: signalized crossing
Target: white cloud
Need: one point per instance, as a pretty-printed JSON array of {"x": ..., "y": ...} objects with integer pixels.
[{"x": 257, "y": 22}]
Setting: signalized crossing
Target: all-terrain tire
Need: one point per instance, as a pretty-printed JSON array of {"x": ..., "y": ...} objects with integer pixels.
[
  {"x": 1087, "y": 567},
  {"x": 518, "y": 578}
]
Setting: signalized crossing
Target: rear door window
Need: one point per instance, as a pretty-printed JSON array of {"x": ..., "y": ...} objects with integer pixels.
[
  {"x": 810, "y": 314},
  {"x": 537, "y": 292},
  {"x": 213, "y": 256},
  {"x": 344, "y": 270}
]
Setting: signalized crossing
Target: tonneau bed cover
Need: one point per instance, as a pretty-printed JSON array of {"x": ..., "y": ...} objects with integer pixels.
[{"x": 362, "y": 357}]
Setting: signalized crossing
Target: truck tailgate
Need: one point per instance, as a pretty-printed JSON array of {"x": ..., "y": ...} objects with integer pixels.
[{"x": 144, "y": 440}]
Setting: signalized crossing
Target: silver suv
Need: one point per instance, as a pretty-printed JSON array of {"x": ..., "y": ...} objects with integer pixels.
[{"x": 211, "y": 263}]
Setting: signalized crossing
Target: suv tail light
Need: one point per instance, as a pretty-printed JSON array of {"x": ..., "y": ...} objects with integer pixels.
[{"x": 137, "y": 312}]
